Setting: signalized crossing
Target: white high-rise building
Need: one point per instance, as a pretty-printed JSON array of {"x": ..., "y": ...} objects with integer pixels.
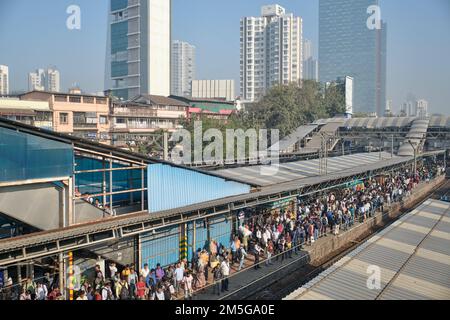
[
  {"x": 422, "y": 108},
  {"x": 271, "y": 51},
  {"x": 138, "y": 48},
  {"x": 213, "y": 89},
  {"x": 409, "y": 109},
  {"x": 183, "y": 68},
  {"x": 44, "y": 80},
  {"x": 4, "y": 80},
  {"x": 52, "y": 80},
  {"x": 36, "y": 80},
  {"x": 310, "y": 64}
]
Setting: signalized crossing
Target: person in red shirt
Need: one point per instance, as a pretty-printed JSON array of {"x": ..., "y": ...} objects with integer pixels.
[{"x": 141, "y": 288}]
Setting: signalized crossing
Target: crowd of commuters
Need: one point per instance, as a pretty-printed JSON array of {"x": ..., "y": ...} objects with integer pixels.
[{"x": 264, "y": 236}]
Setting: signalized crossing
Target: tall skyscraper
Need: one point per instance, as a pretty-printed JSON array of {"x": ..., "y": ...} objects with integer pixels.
[
  {"x": 310, "y": 64},
  {"x": 52, "y": 80},
  {"x": 44, "y": 80},
  {"x": 409, "y": 108},
  {"x": 422, "y": 108},
  {"x": 4, "y": 80},
  {"x": 271, "y": 51},
  {"x": 347, "y": 46},
  {"x": 138, "y": 50},
  {"x": 36, "y": 80},
  {"x": 183, "y": 68}
]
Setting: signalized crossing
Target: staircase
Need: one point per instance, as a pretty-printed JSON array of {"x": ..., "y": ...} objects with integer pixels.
[{"x": 330, "y": 131}]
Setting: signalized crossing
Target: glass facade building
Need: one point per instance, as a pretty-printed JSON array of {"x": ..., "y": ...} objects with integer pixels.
[
  {"x": 347, "y": 47},
  {"x": 138, "y": 49}
]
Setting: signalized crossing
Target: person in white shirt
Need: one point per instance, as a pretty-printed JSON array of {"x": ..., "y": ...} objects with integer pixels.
[
  {"x": 41, "y": 292},
  {"x": 145, "y": 271},
  {"x": 187, "y": 281},
  {"x": 178, "y": 277},
  {"x": 106, "y": 292},
  {"x": 159, "y": 294},
  {"x": 225, "y": 267},
  {"x": 82, "y": 296},
  {"x": 112, "y": 269}
]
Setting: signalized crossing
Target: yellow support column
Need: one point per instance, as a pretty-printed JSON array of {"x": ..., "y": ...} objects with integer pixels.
[
  {"x": 71, "y": 275},
  {"x": 183, "y": 242}
]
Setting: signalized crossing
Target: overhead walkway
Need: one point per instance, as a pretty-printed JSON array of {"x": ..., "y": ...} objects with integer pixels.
[
  {"x": 415, "y": 138},
  {"x": 287, "y": 144},
  {"x": 329, "y": 130},
  {"x": 411, "y": 257}
]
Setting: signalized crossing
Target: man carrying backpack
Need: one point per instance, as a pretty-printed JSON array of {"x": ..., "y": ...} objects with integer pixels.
[{"x": 123, "y": 290}]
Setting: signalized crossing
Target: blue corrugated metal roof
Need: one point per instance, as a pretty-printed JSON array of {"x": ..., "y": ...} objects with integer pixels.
[{"x": 171, "y": 187}]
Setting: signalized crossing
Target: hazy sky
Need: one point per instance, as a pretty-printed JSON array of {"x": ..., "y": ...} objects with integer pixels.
[{"x": 33, "y": 34}]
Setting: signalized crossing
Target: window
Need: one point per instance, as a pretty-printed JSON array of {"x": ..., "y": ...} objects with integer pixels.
[
  {"x": 64, "y": 118},
  {"x": 103, "y": 120},
  {"x": 75, "y": 99}
]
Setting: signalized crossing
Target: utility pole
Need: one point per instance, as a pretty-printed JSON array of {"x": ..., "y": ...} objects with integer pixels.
[
  {"x": 392, "y": 146},
  {"x": 166, "y": 146},
  {"x": 381, "y": 146},
  {"x": 415, "y": 155}
]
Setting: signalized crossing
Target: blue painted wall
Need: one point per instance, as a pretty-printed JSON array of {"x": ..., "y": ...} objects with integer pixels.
[
  {"x": 172, "y": 187},
  {"x": 162, "y": 247},
  {"x": 220, "y": 230},
  {"x": 201, "y": 237}
]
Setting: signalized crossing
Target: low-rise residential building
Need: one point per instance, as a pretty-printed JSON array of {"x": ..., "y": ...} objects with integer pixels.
[
  {"x": 35, "y": 113},
  {"x": 78, "y": 114},
  {"x": 211, "y": 108},
  {"x": 145, "y": 115}
]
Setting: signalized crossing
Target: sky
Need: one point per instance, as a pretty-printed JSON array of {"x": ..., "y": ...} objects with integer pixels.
[{"x": 33, "y": 34}]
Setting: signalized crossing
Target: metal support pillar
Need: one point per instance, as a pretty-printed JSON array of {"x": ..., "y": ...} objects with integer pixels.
[
  {"x": 392, "y": 146},
  {"x": 104, "y": 181},
  {"x": 166, "y": 146},
  {"x": 194, "y": 237},
  {"x": 71, "y": 273},
  {"x": 111, "y": 183},
  {"x": 19, "y": 274},
  {"x": 71, "y": 202},
  {"x": 142, "y": 187},
  {"x": 62, "y": 273}
]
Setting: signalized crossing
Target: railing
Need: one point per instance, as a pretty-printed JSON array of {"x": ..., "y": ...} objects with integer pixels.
[{"x": 85, "y": 125}]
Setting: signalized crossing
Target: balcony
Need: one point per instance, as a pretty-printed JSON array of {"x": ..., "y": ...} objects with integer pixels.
[
  {"x": 135, "y": 112},
  {"x": 87, "y": 126}
]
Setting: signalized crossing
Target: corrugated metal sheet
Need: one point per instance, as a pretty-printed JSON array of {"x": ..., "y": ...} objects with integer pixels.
[
  {"x": 413, "y": 255},
  {"x": 300, "y": 169},
  {"x": 171, "y": 187},
  {"x": 220, "y": 230},
  {"x": 201, "y": 237},
  {"x": 162, "y": 247}
]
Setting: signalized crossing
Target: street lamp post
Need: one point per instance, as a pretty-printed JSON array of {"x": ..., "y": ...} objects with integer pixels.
[{"x": 415, "y": 155}]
